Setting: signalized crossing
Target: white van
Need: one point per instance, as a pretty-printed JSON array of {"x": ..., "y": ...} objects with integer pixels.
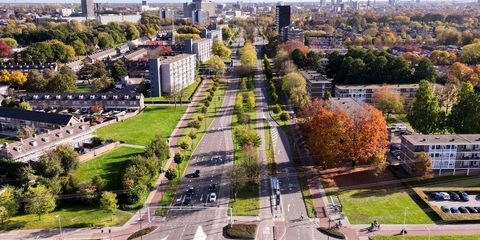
[{"x": 401, "y": 129}]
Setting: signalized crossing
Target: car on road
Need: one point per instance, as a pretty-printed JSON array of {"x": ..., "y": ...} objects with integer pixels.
[
  {"x": 436, "y": 196},
  {"x": 187, "y": 200},
  {"x": 472, "y": 210},
  {"x": 213, "y": 187},
  {"x": 454, "y": 196},
  {"x": 464, "y": 196},
  {"x": 190, "y": 191},
  {"x": 446, "y": 209},
  {"x": 445, "y": 195},
  {"x": 196, "y": 173},
  {"x": 463, "y": 210},
  {"x": 454, "y": 210},
  {"x": 477, "y": 208},
  {"x": 213, "y": 197}
]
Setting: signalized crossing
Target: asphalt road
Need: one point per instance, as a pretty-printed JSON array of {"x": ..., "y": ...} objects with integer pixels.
[{"x": 203, "y": 219}]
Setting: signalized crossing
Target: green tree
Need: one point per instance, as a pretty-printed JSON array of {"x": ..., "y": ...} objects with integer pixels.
[
  {"x": 245, "y": 136},
  {"x": 79, "y": 47},
  {"x": 119, "y": 70},
  {"x": 50, "y": 165},
  {"x": 37, "y": 53},
  {"x": 298, "y": 58},
  {"x": 171, "y": 173},
  {"x": 105, "y": 40},
  {"x": 425, "y": 71},
  {"x": 99, "y": 183},
  {"x": 226, "y": 34},
  {"x": 463, "y": 118},
  {"x": 236, "y": 179},
  {"x": 131, "y": 32},
  {"x": 423, "y": 165},
  {"x": 62, "y": 83},
  {"x": 39, "y": 200},
  {"x": 12, "y": 43},
  {"x": 8, "y": 203},
  {"x": 178, "y": 158},
  {"x": 158, "y": 148},
  {"x": 25, "y": 106},
  {"x": 216, "y": 64},
  {"x": 35, "y": 82},
  {"x": 219, "y": 49},
  {"x": 292, "y": 81},
  {"x": 388, "y": 100},
  {"x": 108, "y": 202},
  {"x": 423, "y": 114},
  {"x": 69, "y": 158},
  {"x": 59, "y": 52}
]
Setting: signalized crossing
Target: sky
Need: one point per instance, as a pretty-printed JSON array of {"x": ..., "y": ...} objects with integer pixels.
[{"x": 153, "y": 1}]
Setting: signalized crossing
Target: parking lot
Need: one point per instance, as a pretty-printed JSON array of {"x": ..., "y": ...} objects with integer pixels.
[{"x": 474, "y": 201}]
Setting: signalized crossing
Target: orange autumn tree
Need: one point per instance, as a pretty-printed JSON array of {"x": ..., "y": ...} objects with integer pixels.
[{"x": 332, "y": 135}]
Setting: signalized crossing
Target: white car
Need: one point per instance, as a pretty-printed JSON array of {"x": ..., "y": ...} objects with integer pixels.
[
  {"x": 213, "y": 197},
  {"x": 445, "y": 195}
]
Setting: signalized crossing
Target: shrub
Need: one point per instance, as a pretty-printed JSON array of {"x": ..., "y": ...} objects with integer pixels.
[
  {"x": 211, "y": 92},
  {"x": 276, "y": 109},
  {"x": 171, "y": 173},
  {"x": 215, "y": 84},
  {"x": 207, "y": 103},
  {"x": 247, "y": 231},
  {"x": 178, "y": 158},
  {"x": 209, "y": 98},
  {"x": 284, "y": 116},
  {"x": 242, "y": 85},
  {"x": 184, "y": 144},
  {"x": 193, "y": 134},
  {"x": 204, "y": 110},
  {"x": 332, "y": 232},
  {"x": 142, "y": 232},
  {"x": 72, "y": 109},
  {"x": 214, "y": 88},
  {"x": 194, "y": 124},
  {"x": 273, "y": 97},
  {"x": 200, "y": 117}
]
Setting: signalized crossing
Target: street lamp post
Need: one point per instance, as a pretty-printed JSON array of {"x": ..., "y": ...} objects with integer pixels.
[
  {"x": 428, "y": 232},
  {"x": 404, "y": 223},
  {"x": 59, "y": 224}
]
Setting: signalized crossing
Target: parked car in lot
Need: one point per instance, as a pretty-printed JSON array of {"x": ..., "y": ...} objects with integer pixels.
[
  {"x": 463, "y": 210},
  {"x": 472, "y": 210},
  {"x": 454, "y": 210},
  {"x": 464, "y": 196},
  {"x": 445, "y": 195},
  {"x": 436, "y": 196},
  {"x": 213, "y": 187},
  {"x": 446, "y": 209},
  {"x": 212, "y": 197},
  {"x": 187, "y": 200},
  {"x": 454, "y": 196},
  {"x": 190, "y": 191}
]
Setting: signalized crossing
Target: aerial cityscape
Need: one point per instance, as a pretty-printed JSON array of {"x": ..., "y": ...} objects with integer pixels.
[{"x": 265, "y": 120}]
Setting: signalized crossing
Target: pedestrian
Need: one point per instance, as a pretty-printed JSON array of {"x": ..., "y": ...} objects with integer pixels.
[
  {"x": 301, "y": 216},
  {"x": 339, "y": 223}
]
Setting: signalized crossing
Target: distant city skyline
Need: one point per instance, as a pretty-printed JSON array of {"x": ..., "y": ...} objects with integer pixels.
[{"x": 182, "y": 1}]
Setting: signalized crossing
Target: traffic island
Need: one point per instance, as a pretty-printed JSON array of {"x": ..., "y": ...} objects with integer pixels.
[
  {"x": 244, "y": 231},
  {"x": 332, "y": 232},
  {"x": 142, "y": 232}
]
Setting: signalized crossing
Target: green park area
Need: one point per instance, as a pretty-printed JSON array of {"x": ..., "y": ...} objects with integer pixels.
[
  {"x": 185, "y": 95},
  {"x": 141, "y": 129},
  {"x": 109, "y": 166}
]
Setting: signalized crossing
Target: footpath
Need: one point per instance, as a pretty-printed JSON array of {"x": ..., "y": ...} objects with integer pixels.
[{"x": 327, "y": 216}]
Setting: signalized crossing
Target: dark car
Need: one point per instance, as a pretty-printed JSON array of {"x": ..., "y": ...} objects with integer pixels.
[
  {"x": 190, "y": 191},
  {"x": 454, "y": 210},
  {"x": 187, "y": 200},
  {"x": 196, "y": 173},
  {"x": 446, "y": 209},
  {"x": 213, "y": 187},
  {"x": 464, "y": 196},
  {"x": 454, "y": 196},
  {"x": 472, "y": 210},
  {"x": 436, "y": 196},
  {"x": 463, "y": 210}
]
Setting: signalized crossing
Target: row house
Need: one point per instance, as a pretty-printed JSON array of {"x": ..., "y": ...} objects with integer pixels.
[
  {"x": 454, "y": 154},
  {"x": 134, "y": 56},
  {"x": 31, "y": 149},
  {"x": 317, "y": 85},
  {"x": 365, "y": 93},
  {"x": 109, "y": 101},
  {"x": 14, "y": 119},
  {"x": 325, "y": 40},
  {"x": 25, "y": 68},
  {"x": 109, "y": 53}
]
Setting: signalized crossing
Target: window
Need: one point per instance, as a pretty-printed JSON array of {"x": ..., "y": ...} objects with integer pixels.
[
  {"x": 419, "y": 148},
  {"x": 437, "y": 147},
  {"x": 447, "y": 147}
]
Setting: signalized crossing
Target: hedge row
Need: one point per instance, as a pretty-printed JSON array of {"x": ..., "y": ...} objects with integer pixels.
[{"x": 245, "y": 231}]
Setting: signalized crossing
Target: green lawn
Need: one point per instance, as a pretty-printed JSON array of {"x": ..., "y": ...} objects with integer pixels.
[
  {"x": 71, "y": 217},
  {"x": 83, "y": 89},
  {"x": 408, "y": 237},
  {"x": 448, "y": 181},
  {"x": 141, "y": 129},
  {"x": 365, "y": 206},
  {"x": 110, "y": 166},
  {"x": 248, "y": 203},
  {"x": 7, "y": 139},
  {"x": 403, "y": 117},
  {"x": 188, "y": 92}
]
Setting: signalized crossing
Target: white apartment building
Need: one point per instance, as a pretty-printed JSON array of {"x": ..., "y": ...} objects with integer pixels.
[
  {"x": 365, "y": 93},
  {"x": 171, "y": 74},
  {"x": 202, "y": 48}
]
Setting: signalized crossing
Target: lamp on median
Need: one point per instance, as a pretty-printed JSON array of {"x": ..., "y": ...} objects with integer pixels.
[
  {"x": 428, "y": 232},
  {"x": 59, "y": 224},
  {"x": 404, "y": 223}
]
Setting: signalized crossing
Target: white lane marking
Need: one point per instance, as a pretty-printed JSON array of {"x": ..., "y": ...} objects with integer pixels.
[{"x": 200, "y": 234}]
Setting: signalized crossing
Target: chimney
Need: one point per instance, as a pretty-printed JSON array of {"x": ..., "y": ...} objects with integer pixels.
[
  {"x": 5, "y": 144},
  {"x": 35, "y": 135},
  {"x": 21, "y": 140}
]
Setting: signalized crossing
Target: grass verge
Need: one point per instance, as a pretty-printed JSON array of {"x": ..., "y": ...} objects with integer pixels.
[
  {"x": 186, "y": 96},
  {"x": 389, "y": 207},
  {"x": 141, "y": 129},
  {"x": 71, "y": 217},
  {"x": 110, "y": 166}
]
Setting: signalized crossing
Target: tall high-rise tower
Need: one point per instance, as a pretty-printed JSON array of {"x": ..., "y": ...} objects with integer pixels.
[
  {"x": 282, "y": 18},
  {"x": 88, "y": 8}
]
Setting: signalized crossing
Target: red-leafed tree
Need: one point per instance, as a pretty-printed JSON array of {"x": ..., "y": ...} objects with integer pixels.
[
  {"x": 291, "y": 45},
  {"x": 5, "y": 50}
]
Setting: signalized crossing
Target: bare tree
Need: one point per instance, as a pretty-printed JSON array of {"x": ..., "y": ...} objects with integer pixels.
[
  {"x": 446, "y": 94},
  {"x": 236, "y": 179}
]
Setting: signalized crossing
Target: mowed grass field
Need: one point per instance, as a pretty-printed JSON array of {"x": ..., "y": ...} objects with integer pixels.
[
  {"x": 141, "y": 129},
  {"x": 71, "y": 217},
  {"x": 110, "y": 166},
  {"x": 365, "y": 206}
]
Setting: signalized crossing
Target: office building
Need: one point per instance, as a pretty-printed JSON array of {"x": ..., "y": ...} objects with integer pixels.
[
  {"x": 88, "y": 8},
  {"x": 170, "y": 75},
  {"x": 292, "y": 33},
  {"x": 323, "y": 3},
  {"x": 206, "y": 6},
  {"x": 168, "y": 14},
  {"x": 455, "y": 154},
  {"x": 201, "y": 17},
  {"x": 282, "y": 18}
]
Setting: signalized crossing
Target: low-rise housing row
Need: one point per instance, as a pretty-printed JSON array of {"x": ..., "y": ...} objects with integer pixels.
[
  {"x": 317, "y": 85},
  {"x": 365, "y": 93},
  {"x": 14, "y": 119}
]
